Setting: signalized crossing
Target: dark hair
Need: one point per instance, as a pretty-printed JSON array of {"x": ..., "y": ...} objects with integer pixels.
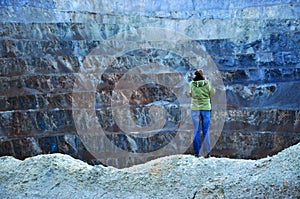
[{"x": 199, "y": 75}]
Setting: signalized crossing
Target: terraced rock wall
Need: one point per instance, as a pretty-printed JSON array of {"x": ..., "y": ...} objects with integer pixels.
[{"x": 44, "y": 45}]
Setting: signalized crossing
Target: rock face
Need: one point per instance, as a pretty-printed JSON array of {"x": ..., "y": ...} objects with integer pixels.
[
  {"x": 46, "y": 47},
  {"x": 178, "y": 176}
]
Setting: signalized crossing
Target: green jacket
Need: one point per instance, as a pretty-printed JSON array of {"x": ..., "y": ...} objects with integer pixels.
[{"x": 200, "y": 92}]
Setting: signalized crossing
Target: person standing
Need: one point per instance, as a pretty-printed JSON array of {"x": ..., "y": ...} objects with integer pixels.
[{"x": 200, "y": 90}]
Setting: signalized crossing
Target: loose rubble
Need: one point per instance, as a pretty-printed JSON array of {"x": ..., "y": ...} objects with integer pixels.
[{"x": 178, "y": 176}]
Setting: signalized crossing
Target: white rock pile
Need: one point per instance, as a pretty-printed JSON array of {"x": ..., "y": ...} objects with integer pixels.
[{"x": 179, "y": 176}]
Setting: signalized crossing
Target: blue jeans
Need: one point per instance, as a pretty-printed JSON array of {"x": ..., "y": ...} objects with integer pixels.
[{"x": 201, "y": 120}]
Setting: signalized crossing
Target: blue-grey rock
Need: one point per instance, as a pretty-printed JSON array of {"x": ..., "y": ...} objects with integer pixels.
[{"x": 44, "y": 48}]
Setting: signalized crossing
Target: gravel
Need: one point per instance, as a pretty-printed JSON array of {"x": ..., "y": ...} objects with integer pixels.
[{"x": 177, "y": 176}]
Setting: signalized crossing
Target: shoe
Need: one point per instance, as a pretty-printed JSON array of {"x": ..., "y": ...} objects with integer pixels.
[
  {"x": 207, "y": 156},
  {"x": 196, "y": 155}
]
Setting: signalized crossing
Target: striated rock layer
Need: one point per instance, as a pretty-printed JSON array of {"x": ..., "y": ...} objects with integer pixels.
[
  {"x": 44, "y": 48},
  {"x": 178, "y": 176}
]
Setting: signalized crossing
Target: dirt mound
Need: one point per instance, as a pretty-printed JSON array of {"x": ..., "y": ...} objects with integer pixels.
[{"x": 179, "y": 176}]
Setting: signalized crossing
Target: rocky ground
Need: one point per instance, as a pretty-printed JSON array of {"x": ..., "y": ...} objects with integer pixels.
[{"x": 179, "y": 176}]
